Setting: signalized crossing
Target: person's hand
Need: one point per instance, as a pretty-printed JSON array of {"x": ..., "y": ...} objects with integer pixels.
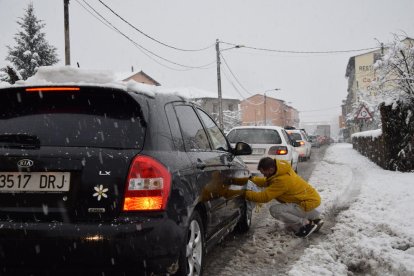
[
  {"x": 234, "y": 193},
  {"x": 240, "y": 181}
]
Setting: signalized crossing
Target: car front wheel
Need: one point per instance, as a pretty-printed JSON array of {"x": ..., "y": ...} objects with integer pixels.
[
  {"x": 192, "y": 256},
  {"x": 246, "y": 217}
]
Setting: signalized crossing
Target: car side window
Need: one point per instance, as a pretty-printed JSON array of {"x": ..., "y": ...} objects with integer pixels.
[
  {"x": 174, "y": 127},
  {"x": 194, "y": 135},
  {"x": 217, "y": 138},
  {"x": 305, "y": 136},
  {"x": 287, "y": 138}
]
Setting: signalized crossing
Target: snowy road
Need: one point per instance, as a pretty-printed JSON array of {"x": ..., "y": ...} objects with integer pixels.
[
  {"x": 266, "y": 249},
  {"x": 369, "y": 227}
]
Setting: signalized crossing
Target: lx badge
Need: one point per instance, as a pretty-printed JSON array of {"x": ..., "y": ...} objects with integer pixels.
[{"x": 104, "y": 172}]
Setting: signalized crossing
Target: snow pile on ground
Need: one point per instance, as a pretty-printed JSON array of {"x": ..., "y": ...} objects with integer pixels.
[{"x": 374, "y": 219}]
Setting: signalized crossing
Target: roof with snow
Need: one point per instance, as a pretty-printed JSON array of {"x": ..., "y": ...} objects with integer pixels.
[{"x": 142, "y": 77}]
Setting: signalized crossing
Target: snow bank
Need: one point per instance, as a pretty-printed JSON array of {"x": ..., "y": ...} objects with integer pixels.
[
  {"x": 374, "y": 230},
  {"x": 369, "y": 133}
]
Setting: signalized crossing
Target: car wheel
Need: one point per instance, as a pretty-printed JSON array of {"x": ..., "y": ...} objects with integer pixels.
[
  {"x": 246, "y": 217},
  {"x": 192, "y": 256}
]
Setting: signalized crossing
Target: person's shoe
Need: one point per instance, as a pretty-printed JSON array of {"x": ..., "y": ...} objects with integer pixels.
[
  {"x": 319, "y": 223},
  {"x": 306, "y": 230}
]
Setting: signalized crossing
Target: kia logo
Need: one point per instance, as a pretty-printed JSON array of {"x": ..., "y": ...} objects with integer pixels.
[{"x": 25, "y": 163}]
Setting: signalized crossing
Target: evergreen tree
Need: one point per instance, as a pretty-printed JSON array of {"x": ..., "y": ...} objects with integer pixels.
[
  {"x": 32, "y": 49},
  {"x": 9, "y": 74}
]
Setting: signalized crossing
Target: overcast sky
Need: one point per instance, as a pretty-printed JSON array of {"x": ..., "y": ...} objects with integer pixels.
[{"x": 308, "y": 82}]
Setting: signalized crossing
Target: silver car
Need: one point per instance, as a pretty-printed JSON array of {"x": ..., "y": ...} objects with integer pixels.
[
  {"x": 271, "y": 141},
  {"x": 304, "y": 150}
]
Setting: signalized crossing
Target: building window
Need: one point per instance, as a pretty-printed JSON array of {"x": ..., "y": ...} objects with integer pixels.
[
  {"x": 231, "y": 107},
  {"x": 215, "y": 108},
  {"x": 377, "y": 56}
]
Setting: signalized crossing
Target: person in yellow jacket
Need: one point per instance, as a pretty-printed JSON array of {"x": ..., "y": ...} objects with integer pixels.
[{"x": 297, "y": 199}]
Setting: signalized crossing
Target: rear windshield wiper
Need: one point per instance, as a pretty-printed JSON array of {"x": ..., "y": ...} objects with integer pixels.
[{"x": 19, "y": 141}]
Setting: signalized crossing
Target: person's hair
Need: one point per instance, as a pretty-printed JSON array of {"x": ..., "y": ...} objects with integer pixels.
[{"x": 266, "y": 163}]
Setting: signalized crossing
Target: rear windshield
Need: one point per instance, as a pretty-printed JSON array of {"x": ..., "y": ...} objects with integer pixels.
[
  {"x": 295, "y": 136},
  {"x": 90, "y": 117},
  {"x": 254, "y": 136}
]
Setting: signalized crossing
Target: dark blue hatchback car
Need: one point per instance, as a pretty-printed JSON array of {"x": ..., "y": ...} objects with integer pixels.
[{"x": 109, "y": 179}]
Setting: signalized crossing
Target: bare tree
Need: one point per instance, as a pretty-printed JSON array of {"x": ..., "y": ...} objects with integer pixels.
[{"x": 395, "y": 71}]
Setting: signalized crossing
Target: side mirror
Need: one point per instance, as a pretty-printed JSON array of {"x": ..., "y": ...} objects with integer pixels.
[
  {"x": 295, "y": 144},
  {"x": 242, "y": 148}
]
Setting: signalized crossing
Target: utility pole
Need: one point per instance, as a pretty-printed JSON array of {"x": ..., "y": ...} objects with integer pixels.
[
  {"x": 220, "y": 100},
  {"x": 66, "y": 27},
  {"x": 264, "y": 105}
]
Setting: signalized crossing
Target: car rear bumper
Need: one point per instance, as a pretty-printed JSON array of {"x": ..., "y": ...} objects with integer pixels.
[
  {"x": 301, "y": 151},
  {"x": 150, "y": 246}
]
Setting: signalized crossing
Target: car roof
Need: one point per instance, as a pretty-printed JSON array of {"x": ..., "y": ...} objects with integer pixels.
[
  {"x": 294, "y": 130},
  {"x": 53, "y": 76},
  {"x": 162, "y": 97},
  {"x": 258, "y": 127}
]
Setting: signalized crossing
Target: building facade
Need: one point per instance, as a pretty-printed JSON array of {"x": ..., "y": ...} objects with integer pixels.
[
  {"x": 259, "y": 110},
  {"x": 231, "y": 110},
  {"x": 361, "y": 73}
]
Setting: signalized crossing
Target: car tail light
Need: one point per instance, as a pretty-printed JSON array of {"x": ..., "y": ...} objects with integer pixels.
[
  {"x": 302, "y": 143},
  {"x": 51, "y": 89},
  {"x": 278, "y": 150},
  {"x": 147, "y": 186}
]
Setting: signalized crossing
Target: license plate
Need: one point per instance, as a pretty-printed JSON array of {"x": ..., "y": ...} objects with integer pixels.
[
  {"x": 258, "y": 151},
  {"x": 34, "y": 182}
]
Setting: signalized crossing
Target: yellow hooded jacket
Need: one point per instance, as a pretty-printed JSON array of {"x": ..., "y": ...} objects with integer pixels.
[{"x": 286, "y": 187}]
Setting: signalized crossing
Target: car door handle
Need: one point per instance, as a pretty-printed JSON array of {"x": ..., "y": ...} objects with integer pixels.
[{"x": 200, "y": 164}]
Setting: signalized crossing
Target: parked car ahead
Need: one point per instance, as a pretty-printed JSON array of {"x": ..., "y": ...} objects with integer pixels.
[
  {"x": 304, "y": 150},
  {"x": 101, "y": 177},
  {"x": 271, "y": 141},
  {"x": 314, "y": 140}
]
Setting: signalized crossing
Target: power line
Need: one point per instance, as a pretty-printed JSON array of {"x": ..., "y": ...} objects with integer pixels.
[
  {"x": 238, "y": 92},
  {"x": 143, "y": 49},
  {"x": 232, "y": 84},
  {"x": 301, "y": 52},
  {"x": 234, "y": 76},
  {"x": 109, "y": 25},
  {"x": 150, "y": 37},
  {"x": 103, "y": 22}
]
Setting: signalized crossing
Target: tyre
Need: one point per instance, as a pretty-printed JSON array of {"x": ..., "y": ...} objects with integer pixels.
[
  {"x": 192, "y": 256},
  {"x": 246, "y": 217}
]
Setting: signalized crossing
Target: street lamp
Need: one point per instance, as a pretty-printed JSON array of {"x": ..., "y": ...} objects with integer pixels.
[
  {"x": 264, "y": 103},
  {"x": 220, "y": 99}
]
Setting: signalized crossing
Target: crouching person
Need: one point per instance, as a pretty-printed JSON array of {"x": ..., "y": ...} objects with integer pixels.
[{"x": 297, "y": 198}]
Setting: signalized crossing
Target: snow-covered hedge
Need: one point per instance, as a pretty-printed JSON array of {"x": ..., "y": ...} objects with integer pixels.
[
  {"x": 391, "y": 147},
  {"x": 371, "y": 144}
]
